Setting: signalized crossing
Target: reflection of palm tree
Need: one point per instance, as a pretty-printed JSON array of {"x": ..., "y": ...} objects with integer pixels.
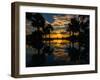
[
  {"x": 47, "y": 30},
  {"x": 37, "y": 21},
  {"x": 36, "y": 39},
  {"x": 72, "y": 28},
  {"x": 74, "y": 55},
  {"x": 69, "y": 29},
  {"x": 84, "y": 39}
]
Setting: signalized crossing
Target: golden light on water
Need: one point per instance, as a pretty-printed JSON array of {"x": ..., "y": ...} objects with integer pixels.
[
  {"x": 57, "y": 34},
  {"x": 59, "y": 43},
  {"x": 57, "y": 40}
]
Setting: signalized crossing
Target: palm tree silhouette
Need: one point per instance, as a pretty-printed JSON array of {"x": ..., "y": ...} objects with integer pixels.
[
  {"x": 47, "y": 30},
  {"x": 38, "y": 22},
  {"x": 72, "y": 28}
]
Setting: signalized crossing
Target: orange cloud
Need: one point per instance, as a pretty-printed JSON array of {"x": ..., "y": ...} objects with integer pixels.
[{"x": 61, "y": 20}]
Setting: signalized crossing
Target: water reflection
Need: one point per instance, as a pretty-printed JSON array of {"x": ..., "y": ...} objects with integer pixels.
[{"x": 61, "y": 42}]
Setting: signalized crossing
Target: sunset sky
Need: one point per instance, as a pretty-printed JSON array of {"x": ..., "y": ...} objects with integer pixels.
[{"x": 56, "y": 19}]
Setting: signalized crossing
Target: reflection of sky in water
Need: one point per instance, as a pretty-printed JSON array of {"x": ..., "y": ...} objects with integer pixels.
[
  {"x": 59, "y": 34},
  {"x": 57, "y": 40}
]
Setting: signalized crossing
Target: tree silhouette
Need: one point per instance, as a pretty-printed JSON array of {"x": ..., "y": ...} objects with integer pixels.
[
  {"x": 84, "y": 39},
  {"x": 47, "y": 30},
  {"x": 38, "y": 22},
  {"x": 73, "y": 27},
  {"x": 36, "y": 39}
]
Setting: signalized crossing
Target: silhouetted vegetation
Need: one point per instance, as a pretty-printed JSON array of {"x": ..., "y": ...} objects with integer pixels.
[{"x": 43, "y": 54}]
